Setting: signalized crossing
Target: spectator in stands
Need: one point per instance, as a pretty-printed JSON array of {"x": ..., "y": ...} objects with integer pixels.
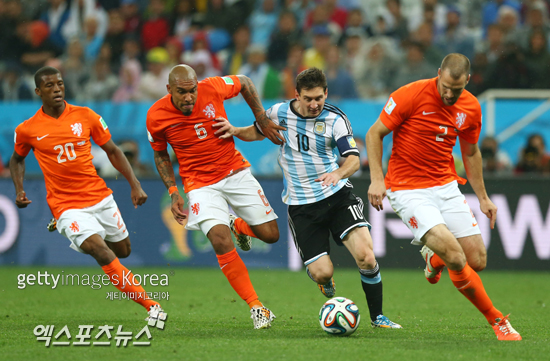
[
  {"x": 131, "y": 49},
  {"x": 537, "y": 15},
  {"x": 456, "y": 38},
  {"x": 286, "y": 34},
  {"x": 129, "y": 10},
  {"x": 320, "y": 16},
  {"x": 174, "y": 47},
  {"x": 375, "y": 75},
  {"x": 197, "y": 53},
  {"x": 230, "y": 17},
  {"x": 9, "y": 18},
  {"x": 336, "y": 14},
  {"x": 130, "y": 148},
  {"x": 493, "y": 46},
  {"x": 400, "y": 28},
  {"x": 491, "y": 11},
  {"x": 263, "y": 22},
  {"x": 536, "y": 142},
  {"x": 182, "y": 18},
  {"x": 537, "y": 59},
  {"x": 339, "y": 80},
  {"x": 74, "y": 68},
  {"x": 300, "y": 8},
  {"x": 32, "y": 47},
  {"x": 92, "y": 40},
  {"x": 152, "y": 85},
  {"x": 56, "y": 17},
  {"x": 115, "y": 37},
  {"x": 354, "y": 48},
  {"x": 156, "y": 28},
  {"x": 510, "y": 71},
  {"x": 508, "y": 19},
  {"x": 478, "y": 73},
  {"x": 413, "y": 68},
  {"x": 495, "y": 160},
  {"x": 294, "y": 66},
  {"x": 201, "y": 61},
  {"x": 130, "y": 74},
  {"x": 79, "y": 12},
  {"x": 424, "y": 35},
  {"x": 101, "y": 84},
  {"x": 12, "y": 85},
  {"x": 234, "y": 57},
  {"x": 316, "y": 55},
  {"x": 265, "y": 78}
]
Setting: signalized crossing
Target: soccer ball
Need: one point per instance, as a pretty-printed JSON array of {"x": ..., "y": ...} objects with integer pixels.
[{"x": 339, "y": 316}]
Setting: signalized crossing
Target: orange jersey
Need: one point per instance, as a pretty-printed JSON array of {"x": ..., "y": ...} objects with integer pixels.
[
  {"x": 424, "y": 134},
  {"x": 63, "y": 149},
  {"x": 203, "y": 158}
]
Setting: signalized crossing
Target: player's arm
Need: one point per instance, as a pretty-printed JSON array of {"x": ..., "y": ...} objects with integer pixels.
[
  {"x": 350, "y": 166},
  {"x": 471, "y": 157},
  {"x": 250, "y": 94},
  {"x": 374, "y": 142},
  {"x": 227, "y": 130},
  {"x": 17, "y": 170},
  {"x": 166, "y": 172},
  {"x": 119, "y": 161}
]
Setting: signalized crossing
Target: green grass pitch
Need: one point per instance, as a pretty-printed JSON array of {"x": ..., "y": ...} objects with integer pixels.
[{"x": 207, "y": 320}]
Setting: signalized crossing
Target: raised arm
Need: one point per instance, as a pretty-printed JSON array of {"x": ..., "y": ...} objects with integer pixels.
[
  {"x": 119, "y": 161},
  {"x": 474, "y": 171},
  {"x": 166, "y": 172},
  {"x": 17, "y": 170},
  {"x": 374, "y": 142},
  {"x": 250, "y": 94}
]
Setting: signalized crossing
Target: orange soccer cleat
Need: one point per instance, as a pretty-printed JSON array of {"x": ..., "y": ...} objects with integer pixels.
[{"x": 504, "y": 330}]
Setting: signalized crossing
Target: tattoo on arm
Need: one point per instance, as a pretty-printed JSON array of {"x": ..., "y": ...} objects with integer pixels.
[
  {"x": 250, "y": 94},
  {"x": 164, "y": 167}
]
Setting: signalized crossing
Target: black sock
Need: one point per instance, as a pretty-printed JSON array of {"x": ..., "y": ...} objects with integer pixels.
[{"x": 371, "y": 280}]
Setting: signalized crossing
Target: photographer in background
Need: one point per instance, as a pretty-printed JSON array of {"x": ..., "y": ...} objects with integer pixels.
[{"x": 495, "y": 161}]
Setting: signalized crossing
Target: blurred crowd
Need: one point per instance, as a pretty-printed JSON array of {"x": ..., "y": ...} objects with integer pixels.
[{"x": 121, "y": 50}]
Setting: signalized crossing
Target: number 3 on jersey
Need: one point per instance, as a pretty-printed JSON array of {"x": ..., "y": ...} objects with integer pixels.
[{"x": 69, "y": 151}]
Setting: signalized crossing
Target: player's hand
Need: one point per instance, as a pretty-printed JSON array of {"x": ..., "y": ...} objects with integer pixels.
[
  {"x": 226, "y": 130},
  {"x": 376, "y": 193},
  {"x": 177, "y": 208},
  {"x": 271, "y": 130},
  {"x": 138, "y": 196},
  {"x": 21, "y": 200},
  {"x": 329, "y": 179},
  {"x": 490, "y": 210}
]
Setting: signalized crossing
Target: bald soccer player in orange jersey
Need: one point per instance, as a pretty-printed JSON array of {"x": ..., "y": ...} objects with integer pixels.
[
  {"x": 86, "y": 213},
  {"x": 426, "y": 117},
  {"x": 214, "y": 173}
]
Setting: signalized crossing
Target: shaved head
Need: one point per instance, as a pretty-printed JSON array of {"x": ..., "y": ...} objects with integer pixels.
[
  {"x": 183, "y": 73},
  {"x": 456, "y": 64}
]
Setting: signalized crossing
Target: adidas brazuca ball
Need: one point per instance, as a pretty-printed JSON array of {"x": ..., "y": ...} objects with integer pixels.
[{"x": 339, "y": 316}]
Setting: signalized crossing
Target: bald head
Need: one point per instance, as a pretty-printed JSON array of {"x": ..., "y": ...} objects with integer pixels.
[
  {"x": 182, "y": 73},
  {"x": 456, "y": 64}
]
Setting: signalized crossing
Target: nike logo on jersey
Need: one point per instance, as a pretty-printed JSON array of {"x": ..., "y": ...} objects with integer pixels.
[
  {"x": 427, "y": 113},
  {"x": 40, "y": 138},
  {"x": 175, "y": 125},
  {"x": 474, "y": 224},
  {"x": 267, "y": 212}
]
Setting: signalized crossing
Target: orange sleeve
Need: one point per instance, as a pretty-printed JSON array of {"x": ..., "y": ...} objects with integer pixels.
[
  {"x": 471, "y": 133},
  {"x": 99, "y": 129},
  {"x": 22, "y": 146},
  {"x": 228, "y": 86},
  {"x": 398, "y": 107},
  {"x": 156, "y": 136}
]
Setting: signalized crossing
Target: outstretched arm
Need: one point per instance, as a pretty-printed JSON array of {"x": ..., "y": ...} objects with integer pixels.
[
  {"x": 166, "y": 172},
  {"x": 250, "y": 94},
  {"x": 226, "y": 130},
  {"x": 17, "y": 170},
  {"x": 119, "y": 161},
  {"x": 374, "y": 142},
  {"x": 474, "y": 171}
]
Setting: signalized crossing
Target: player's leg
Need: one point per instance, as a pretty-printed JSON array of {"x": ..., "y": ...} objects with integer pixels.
[
  {"x": 321, "y": 271},
  {"x": 475, "y": 251},
  {"x": 122, "y": 249}
]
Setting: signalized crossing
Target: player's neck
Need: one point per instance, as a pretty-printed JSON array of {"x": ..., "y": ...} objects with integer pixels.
[
  {"x": 54, "y": 112},
  {"x": 296, "y": 106}
]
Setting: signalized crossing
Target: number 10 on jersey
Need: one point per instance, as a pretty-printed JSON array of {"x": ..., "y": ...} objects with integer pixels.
[{"x": 303, "y": 142}]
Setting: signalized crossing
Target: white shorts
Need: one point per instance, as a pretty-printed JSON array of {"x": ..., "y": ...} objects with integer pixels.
[
  {"x": 102, "y": 218},
  {"x": 208, "y": 206},
  {"x": 423, "y": 209}
]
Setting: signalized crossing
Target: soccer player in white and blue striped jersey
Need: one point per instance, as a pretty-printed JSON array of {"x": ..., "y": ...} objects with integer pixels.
[{"x": 317, "y": 190}]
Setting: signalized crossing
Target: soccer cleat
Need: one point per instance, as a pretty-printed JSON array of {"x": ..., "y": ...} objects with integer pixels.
[
  {"x": 329, "y": 290},
  {"x": 432, "y": 274},
  {"x": 262, "y": 317},
  {"x": 157, "y": 317},
  {"x": 52, "y": 226},
  {"x": 504, "y": 330},
  {"x": 243, "y": 241},
  {"x": 384, "y": 322}
]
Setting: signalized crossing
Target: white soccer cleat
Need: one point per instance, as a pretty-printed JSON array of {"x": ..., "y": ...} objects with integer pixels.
[
  {"x": 243, "y": 241},
  {"x": 432, "y": 274},
  {"x": 157, "y": 317},
  {"x": 262, "y": 317}
]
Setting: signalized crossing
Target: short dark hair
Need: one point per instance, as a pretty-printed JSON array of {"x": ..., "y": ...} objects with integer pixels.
[
  {"x": 457, "y": 65},
  {"x": 44, "y": 71},
  {"x": 311, "y": 78}
]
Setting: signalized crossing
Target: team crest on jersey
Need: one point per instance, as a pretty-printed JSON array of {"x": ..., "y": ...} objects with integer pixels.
[
  {"x": 460, "y": 119},
  {"x": 390, "y": 105},
  {"x": 319, "y": 128},
  {"x": 209, "y": 111},
  {"x": 77, "y": 129},
  {"x": 351, "y": 142}
]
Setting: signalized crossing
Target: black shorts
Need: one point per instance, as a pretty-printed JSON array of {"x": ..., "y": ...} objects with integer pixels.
[{"x": 311, "y": 224}]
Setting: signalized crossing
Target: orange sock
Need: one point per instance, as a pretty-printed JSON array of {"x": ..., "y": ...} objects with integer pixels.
[
  {"x": 437, "y": 262},
  {"x": 468, "y": 283},
  {"x": 119, "y": 276},
  {"x": 243, "y": 228},
  {"x": 234, "y": 269}
]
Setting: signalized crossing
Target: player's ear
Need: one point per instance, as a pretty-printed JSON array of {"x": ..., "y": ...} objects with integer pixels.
[
  {"x": 37, "y": 91},
  {"x": 296, "y": 94},
  {"x": 168, "y": 88}
]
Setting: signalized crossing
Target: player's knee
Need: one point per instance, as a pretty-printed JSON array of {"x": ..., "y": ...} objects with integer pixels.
[
  {"x": 365, "y": 259},
  {"x": 455, "y": 260},
  {"x": 272, "y": 236},
  {"x": 124, "y": 252},
  {"x": 479, "y": 263},
  {"x": 322, "y": 275}
]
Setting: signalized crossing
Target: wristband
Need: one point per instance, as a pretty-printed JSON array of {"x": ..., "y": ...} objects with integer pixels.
[{"x": 172, "y": 190}]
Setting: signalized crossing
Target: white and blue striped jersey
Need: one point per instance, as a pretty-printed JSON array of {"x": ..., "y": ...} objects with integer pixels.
[{"x": 310, "y": 150}]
